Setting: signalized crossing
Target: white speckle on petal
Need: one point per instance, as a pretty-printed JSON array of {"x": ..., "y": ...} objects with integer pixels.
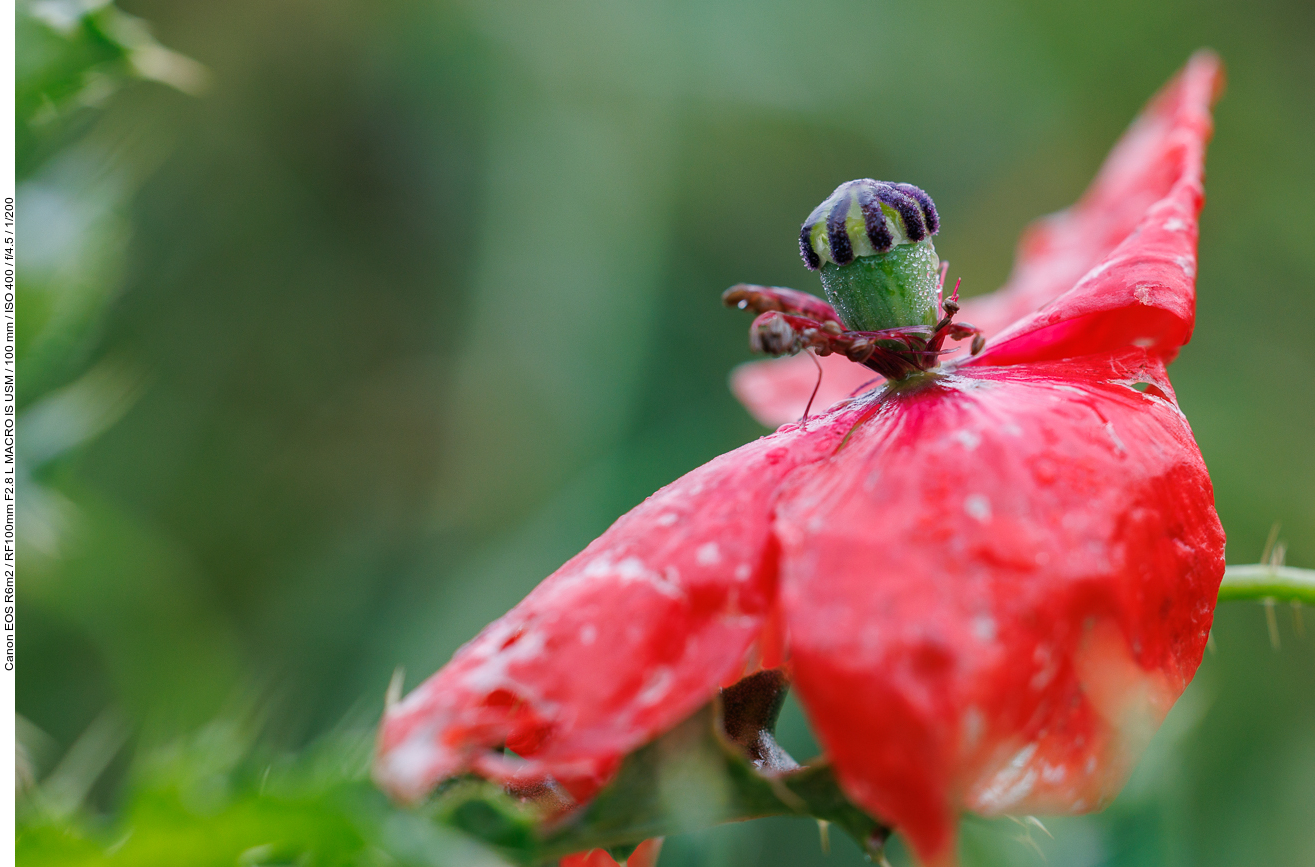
[
  {"x": 492, "y": 671},
  {"x": 1142, "y": 292},
  {"x": 588, "y": 633},
  {"x": 1053, "y": 774},
  {"x": 633, "y": 569},
  {"x": 969, "y": 439},
  {"x": 403, "y": 767},
  {"x": 742, "y": 572},
  {"x": 1010, "y": 785},
  {"x": 1144, "y": 342},
  {"x": 1045, "y": 659},
  {"x": 974, "y": 726},
  {"x": 659, "y": 684},
  {"x": 984, "y": 628},
  {"x": 977, "y": 507},
  {"x": 708, "y": 555},
  {"x": 667, "y": 519},
  {"x": 1187, "y": 263},
  {"x": 1098, "y": 270},
  {"x": 1114, "y": 437},
  {"x": 1174, "y": 225}
]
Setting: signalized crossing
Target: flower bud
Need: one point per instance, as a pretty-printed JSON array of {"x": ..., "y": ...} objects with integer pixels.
[{"x": 871, "y": 241}]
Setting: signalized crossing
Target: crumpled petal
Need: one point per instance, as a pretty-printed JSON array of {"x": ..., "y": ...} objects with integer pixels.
[
  {"x": 997, "y": 588},
  {"x": 1137, "y": 224},
  {"x": 627, "y": 639},
  {"x": 1146, "y": 198}
]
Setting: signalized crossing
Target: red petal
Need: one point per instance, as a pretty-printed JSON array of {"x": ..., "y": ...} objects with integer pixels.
[
  {"x": 1136, "y": 225},
  {"x": 624, "y": 641},
  {"x": 645, "y": 855},
  {"x": 997, "y": 588},
  {"x": 1119, "y": 267}
]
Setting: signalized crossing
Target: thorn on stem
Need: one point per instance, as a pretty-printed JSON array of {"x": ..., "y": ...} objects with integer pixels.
[
  {"x": 1033, "y": 820},
  {"x": 1272, "y": 621},
  {"x": 1269, "y": 542},
  {"x": 1278, "y": 557},
  {"x": 393, "y": 694},
  {"x": 824, "y": 835}
]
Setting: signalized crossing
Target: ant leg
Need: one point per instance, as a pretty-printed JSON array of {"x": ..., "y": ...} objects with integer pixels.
[
  {"x": 959, "y": 331},
  {"x": 812, "y": 397},
  {"x": 947, "y": 327},
  {"x": 949, "y": 306},
  {"x": 762, "y": 299}
]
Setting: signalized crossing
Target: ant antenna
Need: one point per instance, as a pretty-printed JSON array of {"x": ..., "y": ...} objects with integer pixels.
[
  {"x": 804, "y": 421},
  {"x": 864, "y": 387}
]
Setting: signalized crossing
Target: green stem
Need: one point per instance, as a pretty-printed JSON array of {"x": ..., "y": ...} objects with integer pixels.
[{"x": 1257, "y": 582}]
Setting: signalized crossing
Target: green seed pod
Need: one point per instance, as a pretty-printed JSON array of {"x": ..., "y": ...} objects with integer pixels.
[{"x": 871, "y": 241}]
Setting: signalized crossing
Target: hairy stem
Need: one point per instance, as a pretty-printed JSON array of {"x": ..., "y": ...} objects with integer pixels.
[{"x": 1258, "y": 581}]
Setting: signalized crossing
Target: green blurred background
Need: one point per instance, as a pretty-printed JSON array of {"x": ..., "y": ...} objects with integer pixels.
[{"x": 333, "y": 348}]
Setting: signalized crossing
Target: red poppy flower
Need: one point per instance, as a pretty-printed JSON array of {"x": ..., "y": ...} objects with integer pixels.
[{"x": 988, "y": 584}]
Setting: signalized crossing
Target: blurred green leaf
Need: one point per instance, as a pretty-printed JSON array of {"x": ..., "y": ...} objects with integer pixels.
[{"x": 206, "y": 800}]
